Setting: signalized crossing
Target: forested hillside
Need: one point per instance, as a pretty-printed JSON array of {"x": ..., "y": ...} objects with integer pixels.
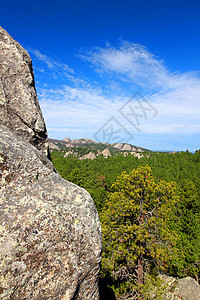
[{"x": 155, "y": 212}]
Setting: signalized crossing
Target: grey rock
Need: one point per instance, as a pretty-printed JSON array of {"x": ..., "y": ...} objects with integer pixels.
[
  {"x": 53, "y": 146},
  {"x": 82, "y": 141},
  {"x": 186, "y": 288},
  {"x": 90, "y": 155},
  {"x": 126, "y": 147},
  {"x": 106, "y": 153},
  {"x": 87, "y": 141},
  {"x": 68, "y": 140},
  {"x": 19, "y": 107},
  {"x": 68, "y": 153},
  {"x": 50, "y": 233},
  {"x": 50, "y": 230},
  {"x": 118, "y": 145},
  {"x": 138, "y": 155}
]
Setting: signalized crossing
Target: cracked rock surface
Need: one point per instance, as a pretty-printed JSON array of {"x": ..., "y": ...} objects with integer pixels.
[
  {"x": 50, "y": 233},
  {"x": 19, "y": 107}
]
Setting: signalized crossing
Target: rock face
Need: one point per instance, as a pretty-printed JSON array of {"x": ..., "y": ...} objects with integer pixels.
[
  {"x": 186, "y": 288},
  {"x": 19, "y": 108},
  {"x": 67, "y": 140},
  {"x": 106, "y": 153},
  {"x": 138, "y": 155},
  {"x": 118, "y": 145},
  {"x": 90, "y": 155},
  {"x": 126, "y": 147},
  {"x": 50, "y": 234}
]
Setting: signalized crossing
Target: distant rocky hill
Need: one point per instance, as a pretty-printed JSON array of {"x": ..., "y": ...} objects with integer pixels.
[{"x": 86, "y": 148}]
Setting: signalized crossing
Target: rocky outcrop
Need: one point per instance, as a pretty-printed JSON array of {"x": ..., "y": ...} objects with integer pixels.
[
  {"x": 67, "y": 140},
  {"x": 56, "y": 144},
  {"x": 82, "y": 141},
  {"x": 50, "y": 234},
  {"x": 126, "y": 147},
  {"x": 138, "y": 155},
  {"x": 90, "y": 155},
  {"x": 53, "y": 146},
  {"x": 68, "y": 153},
  {"x": 106, "y": 153},
  {"x": 86, "y": 141},
  {"x": 118, "y": 146},
  {"x": 91, "y": 144},
  {"x": 19, "y": 108},
  {"x": 186, "y": 288}
]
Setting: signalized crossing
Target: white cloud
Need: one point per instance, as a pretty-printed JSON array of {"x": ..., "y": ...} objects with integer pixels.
[
  {"x": 177, "y": 96},
  {"x": 51, "y": 63},
  {"x": 132, "y": 61},
  {"x": 49, "y": 67},
  {"x": 81, "y": 109},
  {"x": 86, "y": 111},
  {"x": 136, "y": 64}
]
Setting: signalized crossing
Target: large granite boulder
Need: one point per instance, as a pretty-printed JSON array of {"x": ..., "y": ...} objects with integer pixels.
[
  {"x": 50, "y": 234},
  {"x": 185, "y": 288},
  {"x": 19, "y": 108}
]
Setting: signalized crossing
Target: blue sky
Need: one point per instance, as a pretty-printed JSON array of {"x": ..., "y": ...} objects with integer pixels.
[{"x": 114, "y": 71}]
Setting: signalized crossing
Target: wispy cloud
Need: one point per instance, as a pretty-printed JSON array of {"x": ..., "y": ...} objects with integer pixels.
[
  {"x": 129, "y": 61},
  {"x": 50, "y": 67},
  {"x": 176, "y": 95},
  {"x": 81, "y": 107},
  {"x": 134, "y": 63},
  {"x": 51, "y": 63},
  {"x": 77, "y": 107}
]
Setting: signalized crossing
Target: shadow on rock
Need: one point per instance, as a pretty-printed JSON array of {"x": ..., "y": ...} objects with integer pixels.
[{"x": 106, "y": 293}]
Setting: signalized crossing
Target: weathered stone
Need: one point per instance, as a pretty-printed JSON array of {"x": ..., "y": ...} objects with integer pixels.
[
  {"x": 68, "y": 153},
  {"x": 53, "y": 146},
  {"x": 19, "y": 107},
  {"x": 90, "y": 155},
  {"x": 83, "y": 141},
  {"x": 138, "y": 155},
  {"x": 50, "y": 233},
  {"x": 50, "y": 230},
  {"x": 106, "y": 153},
  {"x": 68, "y": 140},
  {"x": 126, "y": 147},
  {"x": 118, "y": 145},
  {"x": 186, "y": 288}
]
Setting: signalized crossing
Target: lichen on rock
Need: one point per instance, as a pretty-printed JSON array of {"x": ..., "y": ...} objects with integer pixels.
[
  {"x": 19, "y": 107},
  {"x": 50, "y": 233}
]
